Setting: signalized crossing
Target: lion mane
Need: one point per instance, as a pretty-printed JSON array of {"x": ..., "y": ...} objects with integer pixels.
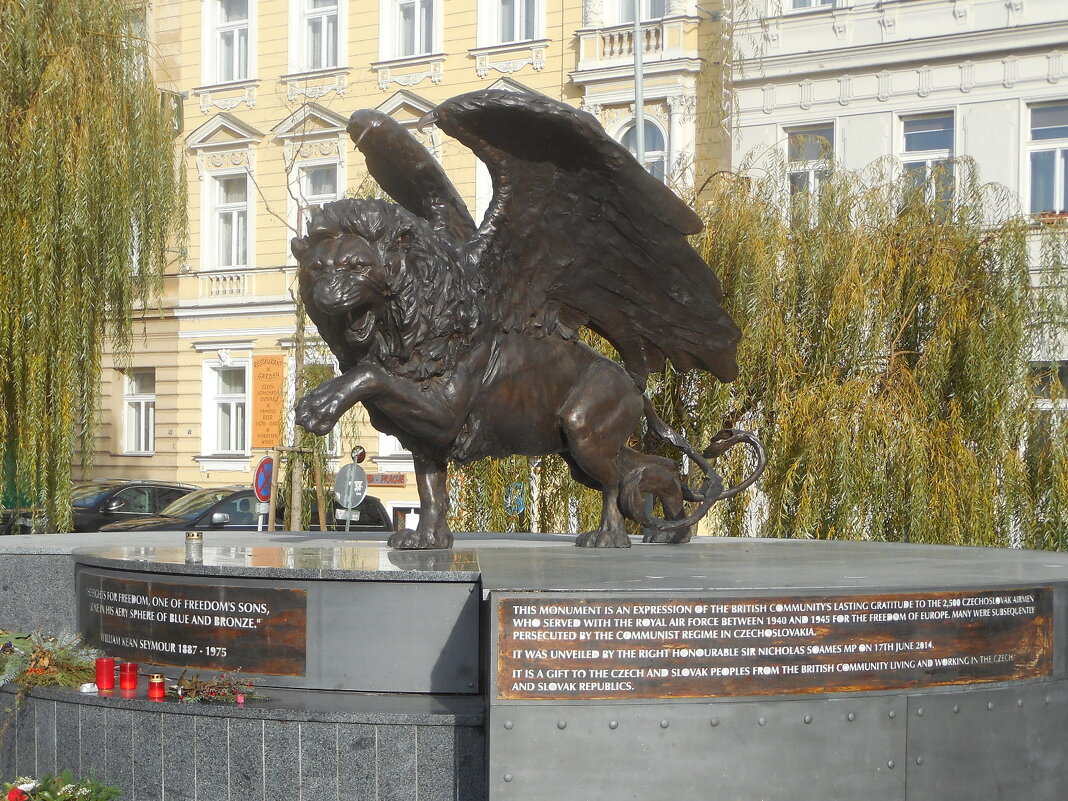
[{"x": 431, "y": 310}]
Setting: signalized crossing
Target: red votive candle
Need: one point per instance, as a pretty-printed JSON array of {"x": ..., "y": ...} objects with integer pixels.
[
  {"x": 128, "y": 676},
  {"x": 156, "y": 688},
  {"x": 105, "y": 673}
]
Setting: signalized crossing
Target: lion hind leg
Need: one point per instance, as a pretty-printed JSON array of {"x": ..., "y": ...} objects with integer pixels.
[
  {"x": 660, "y": 477},
  {"x": 596, "y": 426}
]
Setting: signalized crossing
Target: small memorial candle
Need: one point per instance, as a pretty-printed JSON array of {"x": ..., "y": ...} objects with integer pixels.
[
  {"x": 194, "y": 547},
  {"x": 105, "y": 673},
  {"x": 156, "y": 688},
  {"x": 128, "y": 676}
]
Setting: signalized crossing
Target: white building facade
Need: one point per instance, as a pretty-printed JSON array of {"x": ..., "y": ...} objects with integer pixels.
[{"x": 920, "y": 80}]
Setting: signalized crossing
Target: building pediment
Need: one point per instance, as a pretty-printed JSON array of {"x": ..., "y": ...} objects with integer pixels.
[
  {"x": 405, "y": 107},
  {"x": 309, "y": 121},
  {"x": 221, "y": 132}
]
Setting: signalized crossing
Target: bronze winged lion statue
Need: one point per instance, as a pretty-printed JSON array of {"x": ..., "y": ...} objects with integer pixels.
[{"x": 461, "y": 340}]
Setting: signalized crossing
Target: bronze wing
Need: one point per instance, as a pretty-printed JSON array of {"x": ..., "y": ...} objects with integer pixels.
[
  {"x": 409, "y": 174},
  {"x": 578, "y": 233}
]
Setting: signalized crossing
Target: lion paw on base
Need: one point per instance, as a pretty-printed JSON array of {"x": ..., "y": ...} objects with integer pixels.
[
  {"x": 603, "y": 539},
  {"x": 408, "y": 540}
]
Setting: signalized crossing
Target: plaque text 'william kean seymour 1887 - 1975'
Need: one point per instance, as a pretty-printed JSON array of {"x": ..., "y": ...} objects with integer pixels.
[
  {"x": 234, "y": 626},
  {"x": 656, "y": 647}
]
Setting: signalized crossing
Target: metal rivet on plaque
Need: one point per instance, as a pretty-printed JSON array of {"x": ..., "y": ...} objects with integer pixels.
[
  {"x": 956, "y": 708},
  {"x": 891, "y": 714},
  {"x": 1047, "y": 700},
  {"x": 1019, "y": 702},
  {"x": 808, "y": 718},
  {"x": 890, "y": 764},
  {"x": 508, "y": 777},
  {"x": 851, "y": 716},
  {"x": 920, "y": 711},
  {"x": 508, "y": 725},
  {"x": 990, "y": 705},
  {"x": 919, "y": 760},
  {"x": 762, "y": 721},
  {"x": 714, "y": 722},
  {"x": 561, "y": 724},
  {"x": 613, "y": 724},
  {"x": 664, "y": 724}
]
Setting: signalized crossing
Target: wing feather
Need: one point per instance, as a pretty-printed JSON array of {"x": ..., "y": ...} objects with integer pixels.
[
  {"x": 409, "y": 174},
  {"x": 579, "y": 234}
]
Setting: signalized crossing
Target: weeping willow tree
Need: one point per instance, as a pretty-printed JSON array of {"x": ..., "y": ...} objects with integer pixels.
[
  {"x": 888, "y": 364},
  {"x": 89, "y": 200}
]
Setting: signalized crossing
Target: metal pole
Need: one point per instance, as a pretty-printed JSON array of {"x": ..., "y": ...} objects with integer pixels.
[
  {"x": 638, "y": 45},
  {"x": 319, "y": 502}
]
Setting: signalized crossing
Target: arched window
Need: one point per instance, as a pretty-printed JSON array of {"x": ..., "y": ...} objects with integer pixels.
[{"x": 655, "y": 148}]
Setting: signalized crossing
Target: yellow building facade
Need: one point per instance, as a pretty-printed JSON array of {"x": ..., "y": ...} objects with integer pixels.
[{"x": 263, "y": 92}]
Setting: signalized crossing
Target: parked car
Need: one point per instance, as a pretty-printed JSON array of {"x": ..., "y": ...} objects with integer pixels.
[
  {"x": 234, "y": 508},
  {"x": 100, "y": 502}
]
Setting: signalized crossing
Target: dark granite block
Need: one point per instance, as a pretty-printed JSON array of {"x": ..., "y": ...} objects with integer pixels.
[
  {"x": 246, "y": 760},
  {"x": 213, "y": 763},
  {"x": 435, "y": 767},
  {"x": 119, "y": 750},
  {"x": 37, "y": 592},
  {"x": 471, "y": 763},
  {"x": 318, "y": 761},
  {"x": 7, "y": 739},
  {"x": 92, "y": 741},
  {"x": 148, "y": 758},
  {"x": 68, "y": 734},
  {"x": 357, "y": 774},
  {"x": 46, "y": 736},
  {"x": 281, "y": 747},
  {"x": 179, "y": 757},
  {"x": 396, "y": 763},
  {"x": 26, "y": 739}
]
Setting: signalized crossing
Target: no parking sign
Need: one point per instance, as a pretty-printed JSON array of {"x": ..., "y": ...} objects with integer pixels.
[{"x": 261, "y": 481}]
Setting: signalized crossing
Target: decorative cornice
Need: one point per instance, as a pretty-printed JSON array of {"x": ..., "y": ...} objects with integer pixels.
[
  {"x": 430, "y": 66},
  {"x": 209, "y": 95},
  {"x": 484, "y": 57},
  {"x": 315, "y": 84}
]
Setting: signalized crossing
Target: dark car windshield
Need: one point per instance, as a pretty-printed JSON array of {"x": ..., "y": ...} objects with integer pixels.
[
  {"x": 196, "y": 503},
  {"x": 88, "y": 495}
]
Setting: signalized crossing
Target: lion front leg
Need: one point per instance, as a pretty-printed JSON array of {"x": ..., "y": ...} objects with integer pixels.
[{"x": 433, "y": 529}]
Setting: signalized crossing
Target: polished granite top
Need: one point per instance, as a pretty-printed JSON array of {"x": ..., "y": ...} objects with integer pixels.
[{"x": 549, "y": 562}]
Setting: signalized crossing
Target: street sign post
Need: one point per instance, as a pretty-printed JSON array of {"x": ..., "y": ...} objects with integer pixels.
[
  {"x": 261, "y": 485},
  {"x": 351, "y": 488}
]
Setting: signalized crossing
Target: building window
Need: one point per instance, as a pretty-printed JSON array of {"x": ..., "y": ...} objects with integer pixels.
[
  {"x": 927, "y": 154},
  {"x": 799, "y": 4},
  {"x": 1048, "y": 153},
  {"x": 320, "y": 30},
  {"x": 655, "y": 148},
  {"x": 230, "y": 404},
  {"x": 140, "y": 417},
  {"x": 231, "y": 220},
  {"x": 318, "y": 184},
  {"x": 651, "y": 9},
  {"x": 231, "y": 32},
  {"x": 810, "y": 154},
  {"x": 516, "y": 20},
  {"x": 415, "y": 27}
]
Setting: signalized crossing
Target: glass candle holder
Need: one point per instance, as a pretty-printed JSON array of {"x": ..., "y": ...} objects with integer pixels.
[
  {"x": 156, "y": 687},
  {"x": 105, "y": 673},
  {"x": 128, "y": 676},
  {"x": 194, "y": 547}
]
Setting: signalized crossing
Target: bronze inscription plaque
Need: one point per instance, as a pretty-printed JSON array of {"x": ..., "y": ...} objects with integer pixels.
[
  {"x": 255, "y": 629},
  {"x": 619, "y": 648}
]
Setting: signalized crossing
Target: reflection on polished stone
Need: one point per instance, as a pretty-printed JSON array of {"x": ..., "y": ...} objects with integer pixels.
[{"x": 353, "y": 557}]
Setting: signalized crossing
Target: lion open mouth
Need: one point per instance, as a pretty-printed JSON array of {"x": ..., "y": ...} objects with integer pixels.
[{"x": 359, "y": 325}]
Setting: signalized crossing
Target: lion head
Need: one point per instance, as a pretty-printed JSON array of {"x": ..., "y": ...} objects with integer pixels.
[{"x": 381, "y": 284}]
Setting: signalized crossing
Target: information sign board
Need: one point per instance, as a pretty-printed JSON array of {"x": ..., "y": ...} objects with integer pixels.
[
  {"x": 218, "y": 626},
  {"x": 621, "y": 647}
]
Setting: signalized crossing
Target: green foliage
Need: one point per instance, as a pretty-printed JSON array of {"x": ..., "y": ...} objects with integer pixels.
[
  {"x": 90, "y": 201},
  {"x": 888, "y": 334}
]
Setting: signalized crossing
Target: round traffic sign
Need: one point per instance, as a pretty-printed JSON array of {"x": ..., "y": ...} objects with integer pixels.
[
  {"x": 350, "y": 485},
  {"x": 261, "y": 481}
]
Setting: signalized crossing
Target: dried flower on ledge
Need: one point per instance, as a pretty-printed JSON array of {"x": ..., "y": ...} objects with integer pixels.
[{"x": 223, "y": 689}]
